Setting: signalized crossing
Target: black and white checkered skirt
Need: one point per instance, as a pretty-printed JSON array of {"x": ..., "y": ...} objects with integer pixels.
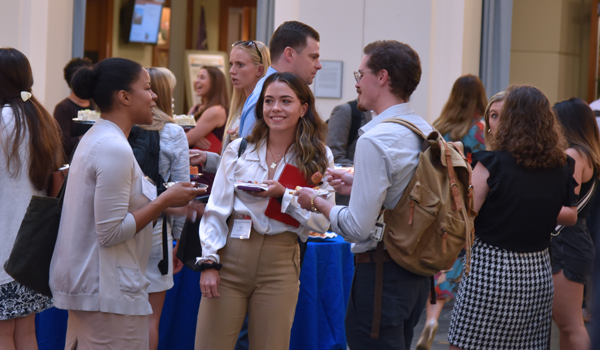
[{"x": 505, "y": 302}]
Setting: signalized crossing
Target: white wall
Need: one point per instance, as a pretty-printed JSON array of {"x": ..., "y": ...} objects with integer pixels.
[
  {"x": 42, "y": 30},
  {"x": 445, "y": 34}
]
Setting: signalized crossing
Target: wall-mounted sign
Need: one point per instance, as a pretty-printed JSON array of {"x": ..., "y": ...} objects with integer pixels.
[{"x": 328, "y": 82}]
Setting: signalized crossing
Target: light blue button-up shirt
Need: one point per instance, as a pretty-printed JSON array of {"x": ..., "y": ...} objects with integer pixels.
[
  {"x": 386, "y": 159},
  {"x": 248, "y": 116}
]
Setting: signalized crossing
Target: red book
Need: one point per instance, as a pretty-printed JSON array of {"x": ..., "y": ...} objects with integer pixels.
[{"x": 290, "y": 177}]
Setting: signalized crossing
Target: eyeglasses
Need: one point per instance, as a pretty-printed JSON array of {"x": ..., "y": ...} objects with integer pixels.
[
  {"x": 358, "y": 75},
  {"x": 248, "y": 43}
]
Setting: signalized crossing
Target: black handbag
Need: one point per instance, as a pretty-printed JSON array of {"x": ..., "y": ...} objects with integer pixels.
[
  {"x": 29, "y": 261},
  {"x": 189, "y": 247}
]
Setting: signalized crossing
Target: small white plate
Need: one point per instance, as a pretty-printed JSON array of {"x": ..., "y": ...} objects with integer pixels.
[{"x": 252, "y": 187}]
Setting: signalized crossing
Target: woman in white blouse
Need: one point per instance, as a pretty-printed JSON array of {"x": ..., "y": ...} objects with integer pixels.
[
  {"x": 105, "y": 236},
  {"x": 259, "y": 273}
]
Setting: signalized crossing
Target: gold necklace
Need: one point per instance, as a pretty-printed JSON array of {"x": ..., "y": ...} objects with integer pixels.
[{"x": 274, "y": 164}]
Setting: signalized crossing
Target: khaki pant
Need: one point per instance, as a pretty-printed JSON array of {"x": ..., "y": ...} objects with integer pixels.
[
  {"x": 101, "y": 330},
  {"x": 259, "y": 276}
]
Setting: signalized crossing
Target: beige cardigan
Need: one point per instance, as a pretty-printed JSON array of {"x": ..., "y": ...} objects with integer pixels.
[{"x": 99, "y": 261}]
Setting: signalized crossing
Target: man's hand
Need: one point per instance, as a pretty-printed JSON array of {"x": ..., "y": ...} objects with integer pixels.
[
  {"x": 340, "y": 180},
  {"x": 197, "y": 157}
]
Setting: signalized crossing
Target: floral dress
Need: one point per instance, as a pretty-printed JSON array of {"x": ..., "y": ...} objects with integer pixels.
[{"x": 446, "y": 282}]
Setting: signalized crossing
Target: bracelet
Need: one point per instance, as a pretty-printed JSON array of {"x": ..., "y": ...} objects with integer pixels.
[
  {"x": 312, "y": 204},
  {"x": 207, "y": 266}
]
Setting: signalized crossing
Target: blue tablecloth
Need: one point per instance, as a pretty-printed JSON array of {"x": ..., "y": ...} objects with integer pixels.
[{"x": 325, "y": 283}]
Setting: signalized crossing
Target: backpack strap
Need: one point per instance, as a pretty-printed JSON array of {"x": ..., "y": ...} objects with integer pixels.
[
  {"x": 407, "y": 124},
  {"x": 378, "y": 295},
  {"x": 243, "y": 146}
]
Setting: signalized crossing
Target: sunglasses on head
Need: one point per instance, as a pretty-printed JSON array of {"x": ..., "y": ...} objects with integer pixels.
[{"x": 249, "y": 43}]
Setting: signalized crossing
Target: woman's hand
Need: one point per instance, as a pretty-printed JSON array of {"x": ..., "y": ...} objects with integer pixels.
[
  {"x": 304, "y": 196},
  {"x": 203, "y": 143},
  {"x": 177, "y": 264},
  {"x": 180, "y": 194},
  {"x": 340, "y": 180},
  {"x": 197, "y": 157},
  {"x": 275, "y": 190},
  {"x": 209, "y": 282},
  {"x": 193, "y": 110},
  {"x": 233, "y": 133}
]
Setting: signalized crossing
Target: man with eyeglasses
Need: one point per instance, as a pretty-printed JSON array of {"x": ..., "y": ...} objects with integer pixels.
[
  {"x": 385, "y": 160},
  {"x": 294, "y": 48}
]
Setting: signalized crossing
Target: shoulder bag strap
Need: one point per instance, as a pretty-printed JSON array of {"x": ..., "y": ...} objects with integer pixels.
[{"x": 583, "y": 201}]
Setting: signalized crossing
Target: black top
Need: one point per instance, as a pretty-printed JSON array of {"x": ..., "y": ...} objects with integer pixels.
[
  {"x": 521, "y": 209},
  {"x": 64, "y": 112},
  {"x": 585, "y": 187}
]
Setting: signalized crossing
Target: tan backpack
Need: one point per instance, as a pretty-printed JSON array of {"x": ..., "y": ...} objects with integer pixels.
[{"x": 433, "y": 220}]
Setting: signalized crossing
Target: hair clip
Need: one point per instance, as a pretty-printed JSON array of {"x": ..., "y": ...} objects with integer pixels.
[{"x": 25, "y": 95}]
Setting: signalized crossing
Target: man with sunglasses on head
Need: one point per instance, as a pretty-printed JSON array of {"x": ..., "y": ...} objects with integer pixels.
[
  {"x": 294, "y": 48},
  {"x": 385, "y": 160}
]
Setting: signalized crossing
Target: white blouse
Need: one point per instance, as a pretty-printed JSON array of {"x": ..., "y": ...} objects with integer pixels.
[{"x": 224, "y": 199}]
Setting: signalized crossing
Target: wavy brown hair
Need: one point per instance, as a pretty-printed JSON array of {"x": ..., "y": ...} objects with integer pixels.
[
  {"x": 580, "y": 128},
  {"x": 218, "y": 95},
  {"x": 467, "y": 100},
  {"x": 31, "y": 120},
  {"x": 311, "y": 130},
  {"x": 529, "y": 131}
]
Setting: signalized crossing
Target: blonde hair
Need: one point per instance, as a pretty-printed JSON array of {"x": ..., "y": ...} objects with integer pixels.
[
  {"x": 467, "y": 99},
  {"x": 239, "y": 95},
  {"x": 162, "y": 83},
  {"x": 487, "y": 136}
]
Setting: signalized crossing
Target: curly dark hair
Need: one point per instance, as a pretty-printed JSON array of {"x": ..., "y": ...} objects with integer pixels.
[
  {"x": 529, "y": 131},
  {"x": 73, "y": 66},
  {"x": 400, "y": 61},
  {"x": 311, "y": 131}
]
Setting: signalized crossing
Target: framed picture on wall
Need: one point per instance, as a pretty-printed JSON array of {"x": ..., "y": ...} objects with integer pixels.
[
  {"x": 194, "y": 60},
  {"x": 328, "y": 81}
]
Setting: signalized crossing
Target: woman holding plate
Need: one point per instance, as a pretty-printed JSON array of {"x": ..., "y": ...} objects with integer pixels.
[{"x": 259, "y": 273}]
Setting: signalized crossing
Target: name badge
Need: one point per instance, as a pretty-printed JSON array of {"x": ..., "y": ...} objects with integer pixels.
[
  {"x": 148, "y": 188},
  {"x": 241, "y": 228}
]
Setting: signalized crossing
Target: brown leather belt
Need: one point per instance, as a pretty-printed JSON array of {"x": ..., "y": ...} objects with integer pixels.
[{"x": 369, "y": 257}]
